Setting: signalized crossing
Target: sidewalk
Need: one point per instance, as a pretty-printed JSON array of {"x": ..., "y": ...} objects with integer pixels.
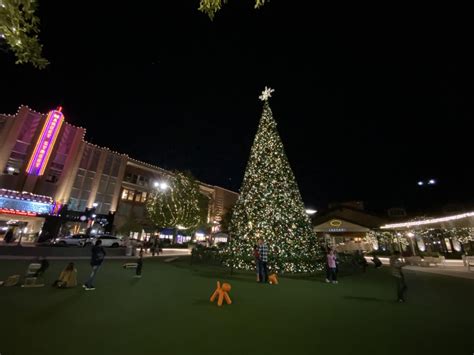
[
  {"x": 453, "y": 268},
  {"x": 166, "y": 253}
]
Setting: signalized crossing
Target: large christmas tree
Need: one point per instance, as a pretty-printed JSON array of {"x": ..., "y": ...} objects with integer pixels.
[{"x": 270, "y": 207}]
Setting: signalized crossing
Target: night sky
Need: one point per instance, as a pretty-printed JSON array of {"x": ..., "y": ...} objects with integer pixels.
[{"x": 368, "y": 100}]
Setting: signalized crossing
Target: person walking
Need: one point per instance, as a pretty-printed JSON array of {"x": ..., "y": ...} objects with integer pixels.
[
  {"x": 8, "y": 236},
  {"x": 331, "y": 261},
  {"x": 376, "y": 261},
  {"x": 396, "y": 265},
  {"x": 98, "y": 256},
  {"x": 262, "y": 261},
  {"x": 44, "y": 266}
]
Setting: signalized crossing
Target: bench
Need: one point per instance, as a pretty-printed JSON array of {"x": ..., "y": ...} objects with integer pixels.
[
  {"x": 468, "y": 260},
  {"x": 416, "y": 261},
  {"x": 130, "y": 265},
  {"x": 434, "y": 260}
]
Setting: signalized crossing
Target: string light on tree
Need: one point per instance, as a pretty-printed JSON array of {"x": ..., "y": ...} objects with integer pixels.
[
  {"x": 175, "y": 204},
  {"x": 270, "y": 207}
]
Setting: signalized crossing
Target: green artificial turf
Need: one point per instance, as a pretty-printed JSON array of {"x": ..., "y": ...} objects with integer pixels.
[{"x": 168, "y": 312}]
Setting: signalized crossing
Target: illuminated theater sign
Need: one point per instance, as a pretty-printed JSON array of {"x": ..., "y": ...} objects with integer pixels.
[
  {"x": 45, "y": 144},
  {"x": 24, "y": 203}
]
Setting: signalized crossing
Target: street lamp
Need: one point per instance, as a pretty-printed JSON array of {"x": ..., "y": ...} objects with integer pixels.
[
  {"x": 164, "y": 186},
  {"x": 411, "y": 235},
  {"x": 310, "y": 211},
  {"x": 399, "y": 242}
]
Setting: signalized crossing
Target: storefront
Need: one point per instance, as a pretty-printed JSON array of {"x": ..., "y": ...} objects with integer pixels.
[
  {"x": 448, "y": 235},
  {"x": 346, "y": 229},
  {"x": 22, "y": 214}
]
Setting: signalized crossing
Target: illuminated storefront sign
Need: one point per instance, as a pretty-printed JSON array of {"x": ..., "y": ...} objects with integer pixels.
[
  {"x": 45, "y": 144},
  {"x": 17, "y": 213},
  {"x": 24, "y": 203}
]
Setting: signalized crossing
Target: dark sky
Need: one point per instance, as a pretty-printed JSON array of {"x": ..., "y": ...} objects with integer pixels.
[{"x": 368, "y": 100}]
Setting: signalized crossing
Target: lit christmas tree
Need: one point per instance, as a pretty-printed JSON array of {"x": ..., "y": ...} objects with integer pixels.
[{"x": 270, "y": 207}]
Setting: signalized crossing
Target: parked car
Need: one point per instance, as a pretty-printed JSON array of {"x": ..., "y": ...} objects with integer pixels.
[
  {"x": 107, "y": 241},
  {"x": 76, "y": 240}
]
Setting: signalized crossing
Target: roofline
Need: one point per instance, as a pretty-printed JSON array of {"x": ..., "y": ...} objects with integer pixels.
[{"x": 130, "y": 160}]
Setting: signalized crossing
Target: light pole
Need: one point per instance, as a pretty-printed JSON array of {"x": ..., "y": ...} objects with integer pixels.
[
  {"x": 411, "y": 236},
  {"x": 163, "y": 186}
]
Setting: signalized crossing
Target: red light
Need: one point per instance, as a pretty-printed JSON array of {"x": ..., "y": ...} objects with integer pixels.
[{"x": 17, "y": 213}]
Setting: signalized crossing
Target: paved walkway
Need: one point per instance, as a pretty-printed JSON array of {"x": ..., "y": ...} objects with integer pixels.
[
  {"x": 454, "y": 268},
  {"x": 166, "y": 253}
]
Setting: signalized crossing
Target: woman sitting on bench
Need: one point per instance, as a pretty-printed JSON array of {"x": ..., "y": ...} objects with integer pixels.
[{"x": 67, "y": 278}]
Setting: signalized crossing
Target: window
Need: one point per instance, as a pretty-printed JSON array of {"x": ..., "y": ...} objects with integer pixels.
[
  {"x": 9, "y": 170},
  {"x": 144, "y": 194},
  {"x": 124, "y": 194},
  {"x": 138, "y": 196},
  {"x": 52, "y": 178},
  {"x": 130, "y": 195}
]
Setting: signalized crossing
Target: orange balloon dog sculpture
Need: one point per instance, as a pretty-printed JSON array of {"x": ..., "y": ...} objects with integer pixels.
[
  {"x": 273, "y": 279},
  {"x": 221, "y": 292}
]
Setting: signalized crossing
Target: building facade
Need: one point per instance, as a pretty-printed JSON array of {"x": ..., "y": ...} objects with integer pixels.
[{"x": 44, "y": 159}]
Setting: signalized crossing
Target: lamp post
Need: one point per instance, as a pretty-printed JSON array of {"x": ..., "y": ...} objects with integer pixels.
[
  {"x": 411, "y": 236},
  {"x": 399, "y": 243},
  {"x": 163, "y": 186}
]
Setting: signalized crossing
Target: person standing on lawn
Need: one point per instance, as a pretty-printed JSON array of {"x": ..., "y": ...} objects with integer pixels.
[
  {"x": 98, "y": 256},
  {"x": 257, "y": 261},
  {"x": 331, "y": 261},
  {"x": 138, "y": 273},
  {"x": 262, "y": 261},
  {"x": 396, "y": 265}
]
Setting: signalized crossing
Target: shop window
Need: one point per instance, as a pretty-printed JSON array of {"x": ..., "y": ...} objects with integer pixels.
[
  {"x": 144, "y": 194},
  {"x": 138, "y": 196},
  {"x": 125, "y": 194},
  {"x": 11, "y": 170},
  {"x": 131, "y": 193}
]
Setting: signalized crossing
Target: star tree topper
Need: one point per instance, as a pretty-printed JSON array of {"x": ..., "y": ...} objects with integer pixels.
[{"x": 266, "y": 94}]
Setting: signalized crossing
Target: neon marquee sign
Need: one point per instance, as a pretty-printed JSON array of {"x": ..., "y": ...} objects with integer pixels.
[{"x": 45, "y": 144}]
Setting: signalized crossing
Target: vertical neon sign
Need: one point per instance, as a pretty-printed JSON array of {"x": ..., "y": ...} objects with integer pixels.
[{"x": 45, "y": 144}]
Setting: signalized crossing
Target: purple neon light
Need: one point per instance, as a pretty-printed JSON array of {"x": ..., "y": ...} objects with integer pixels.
[{"x": 45, "y": 143}]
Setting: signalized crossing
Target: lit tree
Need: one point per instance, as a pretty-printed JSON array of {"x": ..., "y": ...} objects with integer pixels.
[
  {"x": 210, "y": 7},
  {"x": 19, "y": 28},
  {"x": 270, "y": 207},
  {"x": 176, "y": 203}
]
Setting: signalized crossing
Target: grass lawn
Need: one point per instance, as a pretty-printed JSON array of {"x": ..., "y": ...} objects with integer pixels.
[{"x": 168, "y": 312}]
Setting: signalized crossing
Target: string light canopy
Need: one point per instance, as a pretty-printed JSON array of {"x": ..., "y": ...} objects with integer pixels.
[{"x": 428, "y": 221}]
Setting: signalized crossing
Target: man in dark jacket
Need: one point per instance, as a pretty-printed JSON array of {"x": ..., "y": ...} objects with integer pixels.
[{"x": 98, "y": 255}]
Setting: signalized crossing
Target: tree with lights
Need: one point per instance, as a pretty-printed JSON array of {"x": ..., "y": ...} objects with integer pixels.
[
  {"x": 176, "y": 203},
  {"x": 270, "y": 207},
  {"x": 211, "y": 7},
  {"x": 19, "y": 28}
]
